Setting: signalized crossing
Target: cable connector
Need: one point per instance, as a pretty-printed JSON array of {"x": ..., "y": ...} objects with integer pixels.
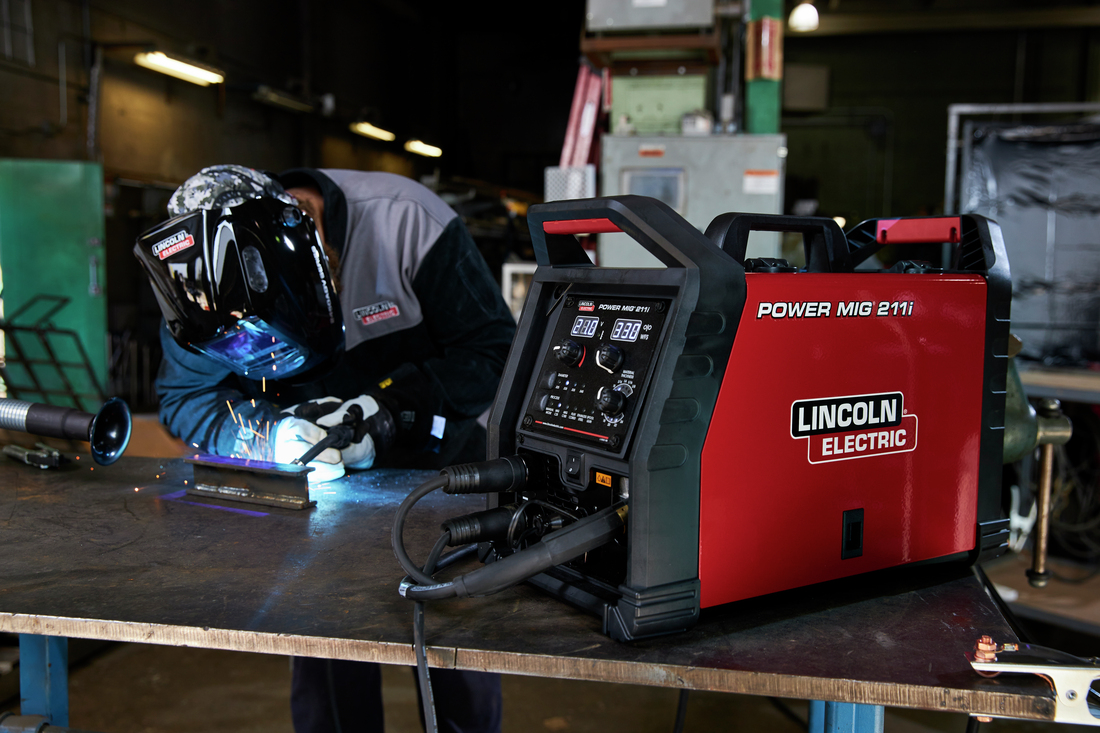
[
  {"x": 483, "y": 526},
  {"x": 484, "y": 477}
]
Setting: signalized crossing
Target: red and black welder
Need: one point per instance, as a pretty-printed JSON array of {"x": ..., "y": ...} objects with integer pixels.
[{"x": 720, "y": 428}]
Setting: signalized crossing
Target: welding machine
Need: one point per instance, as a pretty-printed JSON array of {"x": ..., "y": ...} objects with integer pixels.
[{"x": 740, "y": 426}]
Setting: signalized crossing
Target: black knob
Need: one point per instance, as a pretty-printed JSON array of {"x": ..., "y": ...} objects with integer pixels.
[
  {"x": 610, "y": 357},
  {"x": 611, "y": 402},
  {"x": 569, "y": 352}
]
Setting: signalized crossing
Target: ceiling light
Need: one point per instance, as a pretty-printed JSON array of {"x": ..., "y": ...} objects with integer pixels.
[
  {"x": 277, "y": 98},
  {"x": 803, "y": 18},
  {"x": 421, "y": 148},
  {"x": 191, "y": 71},
  {"x": 840, "y": 221},
  {"x": 366, "y": 129}
]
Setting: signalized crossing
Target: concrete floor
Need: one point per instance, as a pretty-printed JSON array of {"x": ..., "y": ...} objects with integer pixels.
[{"x": 134, "y": 688}]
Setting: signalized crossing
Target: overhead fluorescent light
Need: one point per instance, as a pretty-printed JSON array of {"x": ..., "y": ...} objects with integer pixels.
[
  {"x": 191, "y": 71},
  {"x": 277, "y": 98},
  {"x": 422, "y": 148},
  {"x": 366, "y": 129},
  {"x": 803, "y": 18}
]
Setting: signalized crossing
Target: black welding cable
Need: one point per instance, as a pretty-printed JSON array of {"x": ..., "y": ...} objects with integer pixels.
[
  {"x": 397, "y": 537},
  {"x": 427, "y": 700},
  {"x": 554, "y": 549}
]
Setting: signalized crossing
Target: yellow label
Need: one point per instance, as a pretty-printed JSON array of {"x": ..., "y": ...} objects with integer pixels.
[
  {"x": 385, "y": 383},
  {"x": 603, "y": 479}
]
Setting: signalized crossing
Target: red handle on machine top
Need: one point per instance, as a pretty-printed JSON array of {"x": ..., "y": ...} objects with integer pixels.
[
  {"x": 660, "y": 230},
  {"x": 924, "y": 230},
  {"x": 580, "y": 226}
]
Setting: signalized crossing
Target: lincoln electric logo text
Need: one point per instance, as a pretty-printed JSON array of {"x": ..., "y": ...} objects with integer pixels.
[
  {"x": 175, "y": 243},
  {"x": 859, "y": 426}
]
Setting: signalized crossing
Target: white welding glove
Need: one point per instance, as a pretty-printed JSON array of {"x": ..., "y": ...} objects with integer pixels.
[
  {"x": 291, "y": 437},
  {"x": 372, "y": 425},
  {"x": 361, "y": 453}
]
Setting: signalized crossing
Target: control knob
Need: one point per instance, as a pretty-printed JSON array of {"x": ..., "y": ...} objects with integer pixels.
[
  {"x": 569, "y": 352},
  {"x": 610, "y": 357},
  {"x": 611, "y": 402}
]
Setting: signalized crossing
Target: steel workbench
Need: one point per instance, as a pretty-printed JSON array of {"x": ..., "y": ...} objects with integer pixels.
[{"x": 121, "y": 553}]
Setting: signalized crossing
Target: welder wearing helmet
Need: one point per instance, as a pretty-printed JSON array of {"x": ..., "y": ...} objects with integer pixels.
[{"x": 372, "y": 309}]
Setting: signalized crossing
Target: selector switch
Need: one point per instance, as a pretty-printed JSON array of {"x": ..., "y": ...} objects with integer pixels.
[
  {"x": 569, "y": 352},
  {"x": 549, "y": 379},
  {"x": 611, "y": 402},
  {"x": 610, "y": 357},
  {"x": 573, "y": 464}
]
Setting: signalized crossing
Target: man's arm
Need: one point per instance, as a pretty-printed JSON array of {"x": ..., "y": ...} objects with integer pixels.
[
  {"x": 471, "y": 327},
  {"x": 195, "y": 399}
]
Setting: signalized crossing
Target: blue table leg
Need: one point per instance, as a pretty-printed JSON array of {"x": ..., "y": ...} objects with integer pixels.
[
  {"x": 817, "y": 717},
  {"x": 44, "y": 677},
  {"x": 845, "y": 717}
]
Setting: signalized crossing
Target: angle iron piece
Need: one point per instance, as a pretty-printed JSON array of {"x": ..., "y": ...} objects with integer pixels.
[{"x": 254, "y": 482}]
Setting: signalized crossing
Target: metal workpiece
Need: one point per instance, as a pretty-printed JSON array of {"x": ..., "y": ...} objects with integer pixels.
[
  {"x": 252, "y": 482},
  {"x": 1070, "y": 678},
  {"x": 124, "y": 554}
]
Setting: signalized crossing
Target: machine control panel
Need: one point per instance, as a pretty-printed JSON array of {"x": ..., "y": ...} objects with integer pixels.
[{"x": 588, "y": 384}]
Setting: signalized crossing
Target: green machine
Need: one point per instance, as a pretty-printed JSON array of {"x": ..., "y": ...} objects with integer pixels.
[{"x": 53, "y": 282}]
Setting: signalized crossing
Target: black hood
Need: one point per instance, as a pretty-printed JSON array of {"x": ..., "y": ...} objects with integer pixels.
[{"x": 336, "y": 206}]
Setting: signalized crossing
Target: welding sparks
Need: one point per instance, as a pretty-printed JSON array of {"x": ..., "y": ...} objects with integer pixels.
[
  {"x": 227, "y": 402},
  {"x": 263, "y": 381},
  {"x": 253, "y": 404}
]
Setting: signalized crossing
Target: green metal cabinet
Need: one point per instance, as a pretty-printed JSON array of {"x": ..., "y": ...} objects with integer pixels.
[{"x": 51, "y": 247}]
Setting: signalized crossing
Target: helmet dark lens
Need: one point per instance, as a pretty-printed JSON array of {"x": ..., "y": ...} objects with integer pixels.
[{"x": 255, "y": 349}]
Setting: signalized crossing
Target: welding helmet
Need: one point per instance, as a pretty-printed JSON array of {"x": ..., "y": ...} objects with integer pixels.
[{"x": 241, "y": 277}]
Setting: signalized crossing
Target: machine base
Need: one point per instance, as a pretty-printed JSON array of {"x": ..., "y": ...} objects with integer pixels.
[{"x": 627, "y": 614}]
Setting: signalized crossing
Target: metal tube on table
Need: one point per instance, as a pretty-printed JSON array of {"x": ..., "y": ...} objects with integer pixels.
[{"x": 108, "y": 430}]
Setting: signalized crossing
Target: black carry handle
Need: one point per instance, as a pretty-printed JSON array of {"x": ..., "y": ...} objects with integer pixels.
[
  {"x": 654, "y": 225},
  {"x": 824, "y": 242}
]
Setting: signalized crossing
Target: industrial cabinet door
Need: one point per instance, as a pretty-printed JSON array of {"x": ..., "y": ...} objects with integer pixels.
[{"x": 51, "y": 244}]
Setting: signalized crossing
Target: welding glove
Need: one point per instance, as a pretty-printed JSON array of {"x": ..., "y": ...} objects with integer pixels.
[
  {"x": 372, "y": 425},
  {"x": 292, "y": 436}
]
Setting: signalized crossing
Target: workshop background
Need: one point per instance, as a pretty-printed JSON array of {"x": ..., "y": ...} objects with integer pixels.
[{"x": 714, "y": 106}]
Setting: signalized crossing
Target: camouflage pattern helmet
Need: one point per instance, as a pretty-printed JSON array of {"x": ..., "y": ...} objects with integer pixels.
[{"x": 221, "y": 186}]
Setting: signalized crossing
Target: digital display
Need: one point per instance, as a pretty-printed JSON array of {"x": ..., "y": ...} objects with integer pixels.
[
  {"x": 625, "y": 330},
  {"x": 586, "y": 326}
]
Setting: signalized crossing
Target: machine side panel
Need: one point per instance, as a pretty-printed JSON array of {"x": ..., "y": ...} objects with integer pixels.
[{"x": 847, "y": 432}]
